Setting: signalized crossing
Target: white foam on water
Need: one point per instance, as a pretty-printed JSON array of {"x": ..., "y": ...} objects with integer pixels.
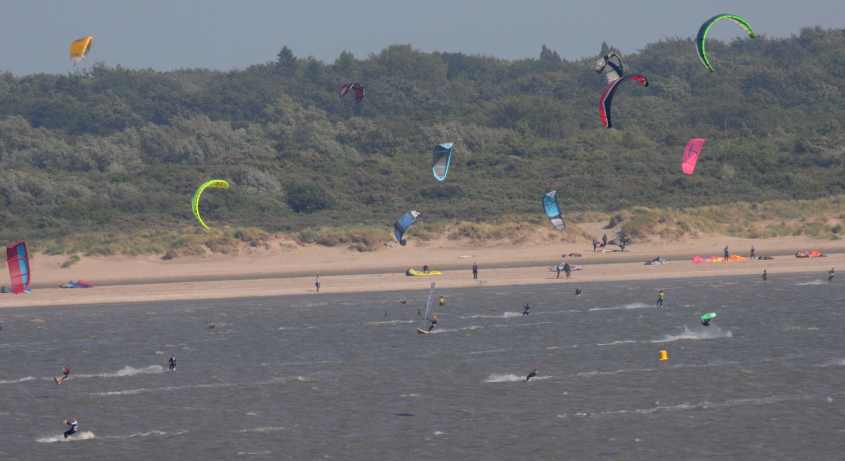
[
  {"x": 812, "y": 282},
  {"x": 685, "y": 406},
  {"x": 16, "y": 381},
  {"x": 439, "y": 433},
  {"x": 452, "y": 330},
  {"x": 135, "y": 435},
  {"x": 514, "y": 325},
  {"x": 123, "y": 372},
  {"x": 409, "y": 395},
  {"x": 147, "y": 390},
  {"x": 619, "y": 342},
  {"x": 489, "y": 351},
  {"x": 262, "y": 429},
  {"x": 506, "y": 315},
  {"x": 833, "y": 363},
  {"x": 79, "y": 436},
  {"x": 589, "y": 374},
  {"x": 254, "y": 453},
  {"x": 622, "y": 307},
  {"x": 512, "y": 378},
  {"x": 711, "y": 332},
  {"x": 389, "y": 322}
]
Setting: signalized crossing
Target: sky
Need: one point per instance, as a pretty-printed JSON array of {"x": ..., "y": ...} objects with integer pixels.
[{"x": 230, "y": 34}]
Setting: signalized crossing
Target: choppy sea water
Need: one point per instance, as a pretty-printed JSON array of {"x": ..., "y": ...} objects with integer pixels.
[{"x": 346, "y": 377}]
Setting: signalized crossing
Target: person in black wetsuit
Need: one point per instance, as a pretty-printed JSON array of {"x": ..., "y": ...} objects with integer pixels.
[
  {"x": 577, "y": 292},
  {"x": 661, "y": 298},
  {"x": 830, "y": 274},
  {"x": 765, "y": 275},
  {"x": 526, "y": 309},
  {"x": 433, "y": 322},
  {"x": 73, "y": 426},
  {"x": 171, "y": 363},
  {"x": 531, "y": 375}
]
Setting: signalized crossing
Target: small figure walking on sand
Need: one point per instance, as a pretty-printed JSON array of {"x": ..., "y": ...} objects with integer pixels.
[
  {"x": 567, "y": 269},
  {"x": 727, "y": 254},
  {"x": 753, "y": 254},
  {"x": 475, "y": 271},
  {"x": 830, "y": 274},
  {"x": 661, "y": 297},
  {"x": 557, "y": 271},
  {"x": 317, "y": 283},
  {"x": 765, "y": 275}
]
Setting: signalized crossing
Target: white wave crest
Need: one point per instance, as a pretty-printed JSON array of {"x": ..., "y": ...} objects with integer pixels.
[
  {"x": 16, "y": 381},
  {"x": 262, "y": 429},
  {"x": 84, "y": 435},
  {"x": 712, "y": 332},
  {"x": 812, "y": 282},
  {"x": 125, "y": 371},
  {"x": 622, "y": 307},
  {"x": 619, "y": 342},
  {"x": 511, "y": 378},
  {"x": 505, "y": 315}
]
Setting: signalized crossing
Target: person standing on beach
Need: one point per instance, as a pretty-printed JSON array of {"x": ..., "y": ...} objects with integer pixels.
[
  {"x": 475, "y": 271},
  {"x": 830, "y": 274},
  {"x": 753, "y": 252},
  {"x": 604, "y": 240},
  {"x": 317, "y": 283},
  {"x": 661, "y": 297},
  {"x": 727, "y": 253},
  {"x": 567, "y": 269},
  {"x": 595, "y": 245},
  {"x": 557, "y": 271}
]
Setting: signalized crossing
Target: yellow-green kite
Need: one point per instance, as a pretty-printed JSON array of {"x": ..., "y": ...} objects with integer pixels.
[{"x": 195, "y": 202}]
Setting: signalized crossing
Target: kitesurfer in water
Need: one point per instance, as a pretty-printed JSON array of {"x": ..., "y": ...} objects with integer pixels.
[
  {"x": 65, "y": 373},
  {"x": 526, "y": 309},
  {"x": 531, "y": 375},
  {"x": 433, "y": 322},
  {"x": 171, "y": 363},
  {"x": 705, "y": 322},
  {"x": 577, "y": 292},
  {"x": 830, "y": 274},
  {"x": 73, "y": 426},
  {"x": 765, "y": 275},
  {"x": 661, "y": 297}
]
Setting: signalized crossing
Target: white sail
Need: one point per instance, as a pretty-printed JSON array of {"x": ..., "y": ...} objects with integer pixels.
[{"x": 428, "y": 306}]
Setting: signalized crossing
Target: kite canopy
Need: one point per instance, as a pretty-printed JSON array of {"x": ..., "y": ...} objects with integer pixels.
[
  {"x": 606, "y": 99},
  {"x": 403, "y": 224},
  {"x": 356, "y": 88},
  {"x": 17, "y": 258},
  {"x": 552, "y": 209},
  {"x": 80, "y": 47},
  {"x": 708, "y": 317},
  {"x": 441, "y": 160},
  {"x": 691, "y": 153},
  {"x": 701, "y": 38},
  {"x": 195, "y": 202}
]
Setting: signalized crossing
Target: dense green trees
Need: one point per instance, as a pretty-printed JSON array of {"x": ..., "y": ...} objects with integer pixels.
[{"x": 116, "y": 148}]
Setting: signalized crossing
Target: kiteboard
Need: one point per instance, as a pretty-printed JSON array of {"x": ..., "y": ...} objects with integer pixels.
[
  {"x": 58, "y": 379},
  {"x": 420, "y": 331}
]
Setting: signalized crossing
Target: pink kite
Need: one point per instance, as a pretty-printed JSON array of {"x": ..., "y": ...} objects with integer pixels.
[{"x": 691, "y": 153}]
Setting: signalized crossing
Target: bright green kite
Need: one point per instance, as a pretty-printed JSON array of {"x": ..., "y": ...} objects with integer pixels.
[
  {"x": 195, "y": 202},
  {"x": 700, "y": 40}
]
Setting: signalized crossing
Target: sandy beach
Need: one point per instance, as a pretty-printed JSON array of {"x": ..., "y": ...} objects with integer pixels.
[{"x": 290, "y": 269}]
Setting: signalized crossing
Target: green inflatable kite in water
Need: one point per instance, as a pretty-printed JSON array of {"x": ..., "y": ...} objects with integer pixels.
[
  {"x": 706, "y": 318},
  {"x": 701, "y": 38},
  {"x": 195, "y": 202}
]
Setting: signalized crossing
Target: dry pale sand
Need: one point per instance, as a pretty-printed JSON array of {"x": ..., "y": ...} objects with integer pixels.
[{"x": 290, "y": 269}]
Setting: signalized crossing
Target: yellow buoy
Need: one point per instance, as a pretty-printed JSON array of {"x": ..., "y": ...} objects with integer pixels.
[{"x": 664, "y": 355}]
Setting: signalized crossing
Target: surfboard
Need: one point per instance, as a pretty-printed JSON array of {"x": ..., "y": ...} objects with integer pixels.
[{"x": 420, "y": 331}]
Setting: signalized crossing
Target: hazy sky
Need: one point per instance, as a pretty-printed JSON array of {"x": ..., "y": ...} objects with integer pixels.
[{"x": 226, "y": 34}]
